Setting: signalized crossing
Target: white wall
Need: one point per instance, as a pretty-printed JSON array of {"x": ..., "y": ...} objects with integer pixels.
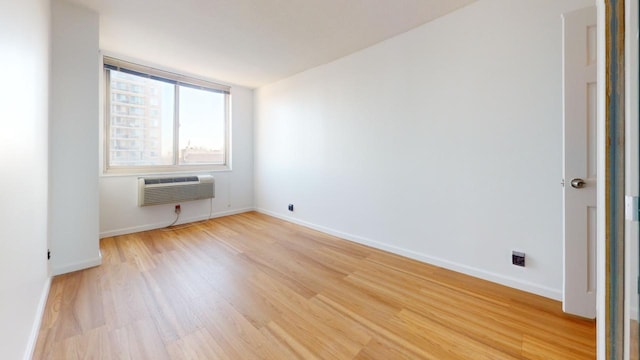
[
  {"x": 74, "y": 139},
  {"x": 24, "y": 69},
  {"x": 443, "y": 144},
  {"x": 119, "y": 211}
]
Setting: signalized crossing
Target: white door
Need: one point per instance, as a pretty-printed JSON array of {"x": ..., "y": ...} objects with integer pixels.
[{"x": 579, "y": 162}]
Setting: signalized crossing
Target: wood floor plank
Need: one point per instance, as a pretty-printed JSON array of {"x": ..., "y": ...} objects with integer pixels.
[
  {"x": 286, "y": 349},
  {"x": 380, "y": 348},
  {"x": 454, "y": 340},
  {"x": 301, "y": 351},
  {"x": 89, "y": 292},
  {"x": 70, "y": 326},
  {"x": 94, "y": 344},
  {"x": 137, "y": 251},
  {"x": 383, "y": 330},
  {"x": 335, "y": 336},
  {"x": 197, "y": 346},
  {"x": 536, "y": 348},
  {"x": 138, "y": 340},
  {"x": 251, "y": 286},
  {"x": 234, "y": 331},
  {"x": 123, "y": 299},
  {"x": 162, "y": 311}
]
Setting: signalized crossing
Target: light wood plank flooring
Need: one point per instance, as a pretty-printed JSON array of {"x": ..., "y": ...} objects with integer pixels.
[{"x": 251, "y": 286}]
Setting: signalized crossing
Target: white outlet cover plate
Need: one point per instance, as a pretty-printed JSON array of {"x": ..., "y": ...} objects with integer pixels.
[{"x": 631, "y": 208}]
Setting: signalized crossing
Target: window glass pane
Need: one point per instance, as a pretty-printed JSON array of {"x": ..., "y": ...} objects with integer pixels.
[
  {"x": 141, "y": 121},
  {"x": 201, "y": 131}
]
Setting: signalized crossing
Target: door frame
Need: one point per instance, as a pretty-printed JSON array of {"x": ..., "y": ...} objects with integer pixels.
[{"x": 611, "y": 175}]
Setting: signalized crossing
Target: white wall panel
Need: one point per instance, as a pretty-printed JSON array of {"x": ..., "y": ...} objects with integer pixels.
[
  {"x": 24, "y": 117},
  {"x": 74, "y": 138},
  {"x": 443, "y": 144}
]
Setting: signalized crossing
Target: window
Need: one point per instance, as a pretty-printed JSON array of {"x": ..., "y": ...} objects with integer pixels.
[{"x": 158, "y": 121}]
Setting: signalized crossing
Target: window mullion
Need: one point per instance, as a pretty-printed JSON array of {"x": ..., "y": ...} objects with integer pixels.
[
  {"x": 176, "y": 125},
  {"x": 107, "y": 119}
]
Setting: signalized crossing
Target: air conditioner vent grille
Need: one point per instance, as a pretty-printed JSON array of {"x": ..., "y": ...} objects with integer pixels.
[
  {"x": 152, "y": 181},
  {"x": 156, "y": 191}
]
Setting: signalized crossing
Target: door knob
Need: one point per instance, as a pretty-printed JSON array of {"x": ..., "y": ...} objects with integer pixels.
[{"x": 578, "y": 183}]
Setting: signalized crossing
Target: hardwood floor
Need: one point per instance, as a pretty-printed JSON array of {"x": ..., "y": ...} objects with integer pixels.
[{"x": 251, "y": 286}]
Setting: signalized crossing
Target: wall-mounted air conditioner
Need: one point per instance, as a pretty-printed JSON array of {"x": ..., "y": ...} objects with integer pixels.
[{"x": 166, "y": 190}]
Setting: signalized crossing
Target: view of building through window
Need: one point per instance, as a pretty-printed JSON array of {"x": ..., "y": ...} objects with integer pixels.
[
  {"x": 141, "y": 126},
  {"x": 145, "y": 130}
]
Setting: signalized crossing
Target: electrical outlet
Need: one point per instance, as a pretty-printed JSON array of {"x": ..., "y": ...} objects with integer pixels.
[
  {"x": 290, "y": 207},
  {"x": 517, "y": 258}
]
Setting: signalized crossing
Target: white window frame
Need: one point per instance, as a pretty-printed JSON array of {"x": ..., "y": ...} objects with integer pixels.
[{"x": 110, "y": 63}]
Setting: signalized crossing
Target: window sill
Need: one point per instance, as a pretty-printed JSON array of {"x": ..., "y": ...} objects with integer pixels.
[{"x": 165, "y": 171}]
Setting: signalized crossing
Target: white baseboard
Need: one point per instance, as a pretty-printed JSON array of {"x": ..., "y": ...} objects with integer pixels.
[
  {"x": 80, "y": 265},
  {"x": 135, "y": 229},
  {"x": 37, "y": 322},
  {"x": 537, "y": 289}
]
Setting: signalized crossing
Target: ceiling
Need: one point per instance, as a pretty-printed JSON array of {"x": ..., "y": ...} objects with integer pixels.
[{"x": 254, "y": 42}]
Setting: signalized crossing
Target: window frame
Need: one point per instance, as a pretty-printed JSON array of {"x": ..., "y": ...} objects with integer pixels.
[{"x": 111, "y": 63}]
